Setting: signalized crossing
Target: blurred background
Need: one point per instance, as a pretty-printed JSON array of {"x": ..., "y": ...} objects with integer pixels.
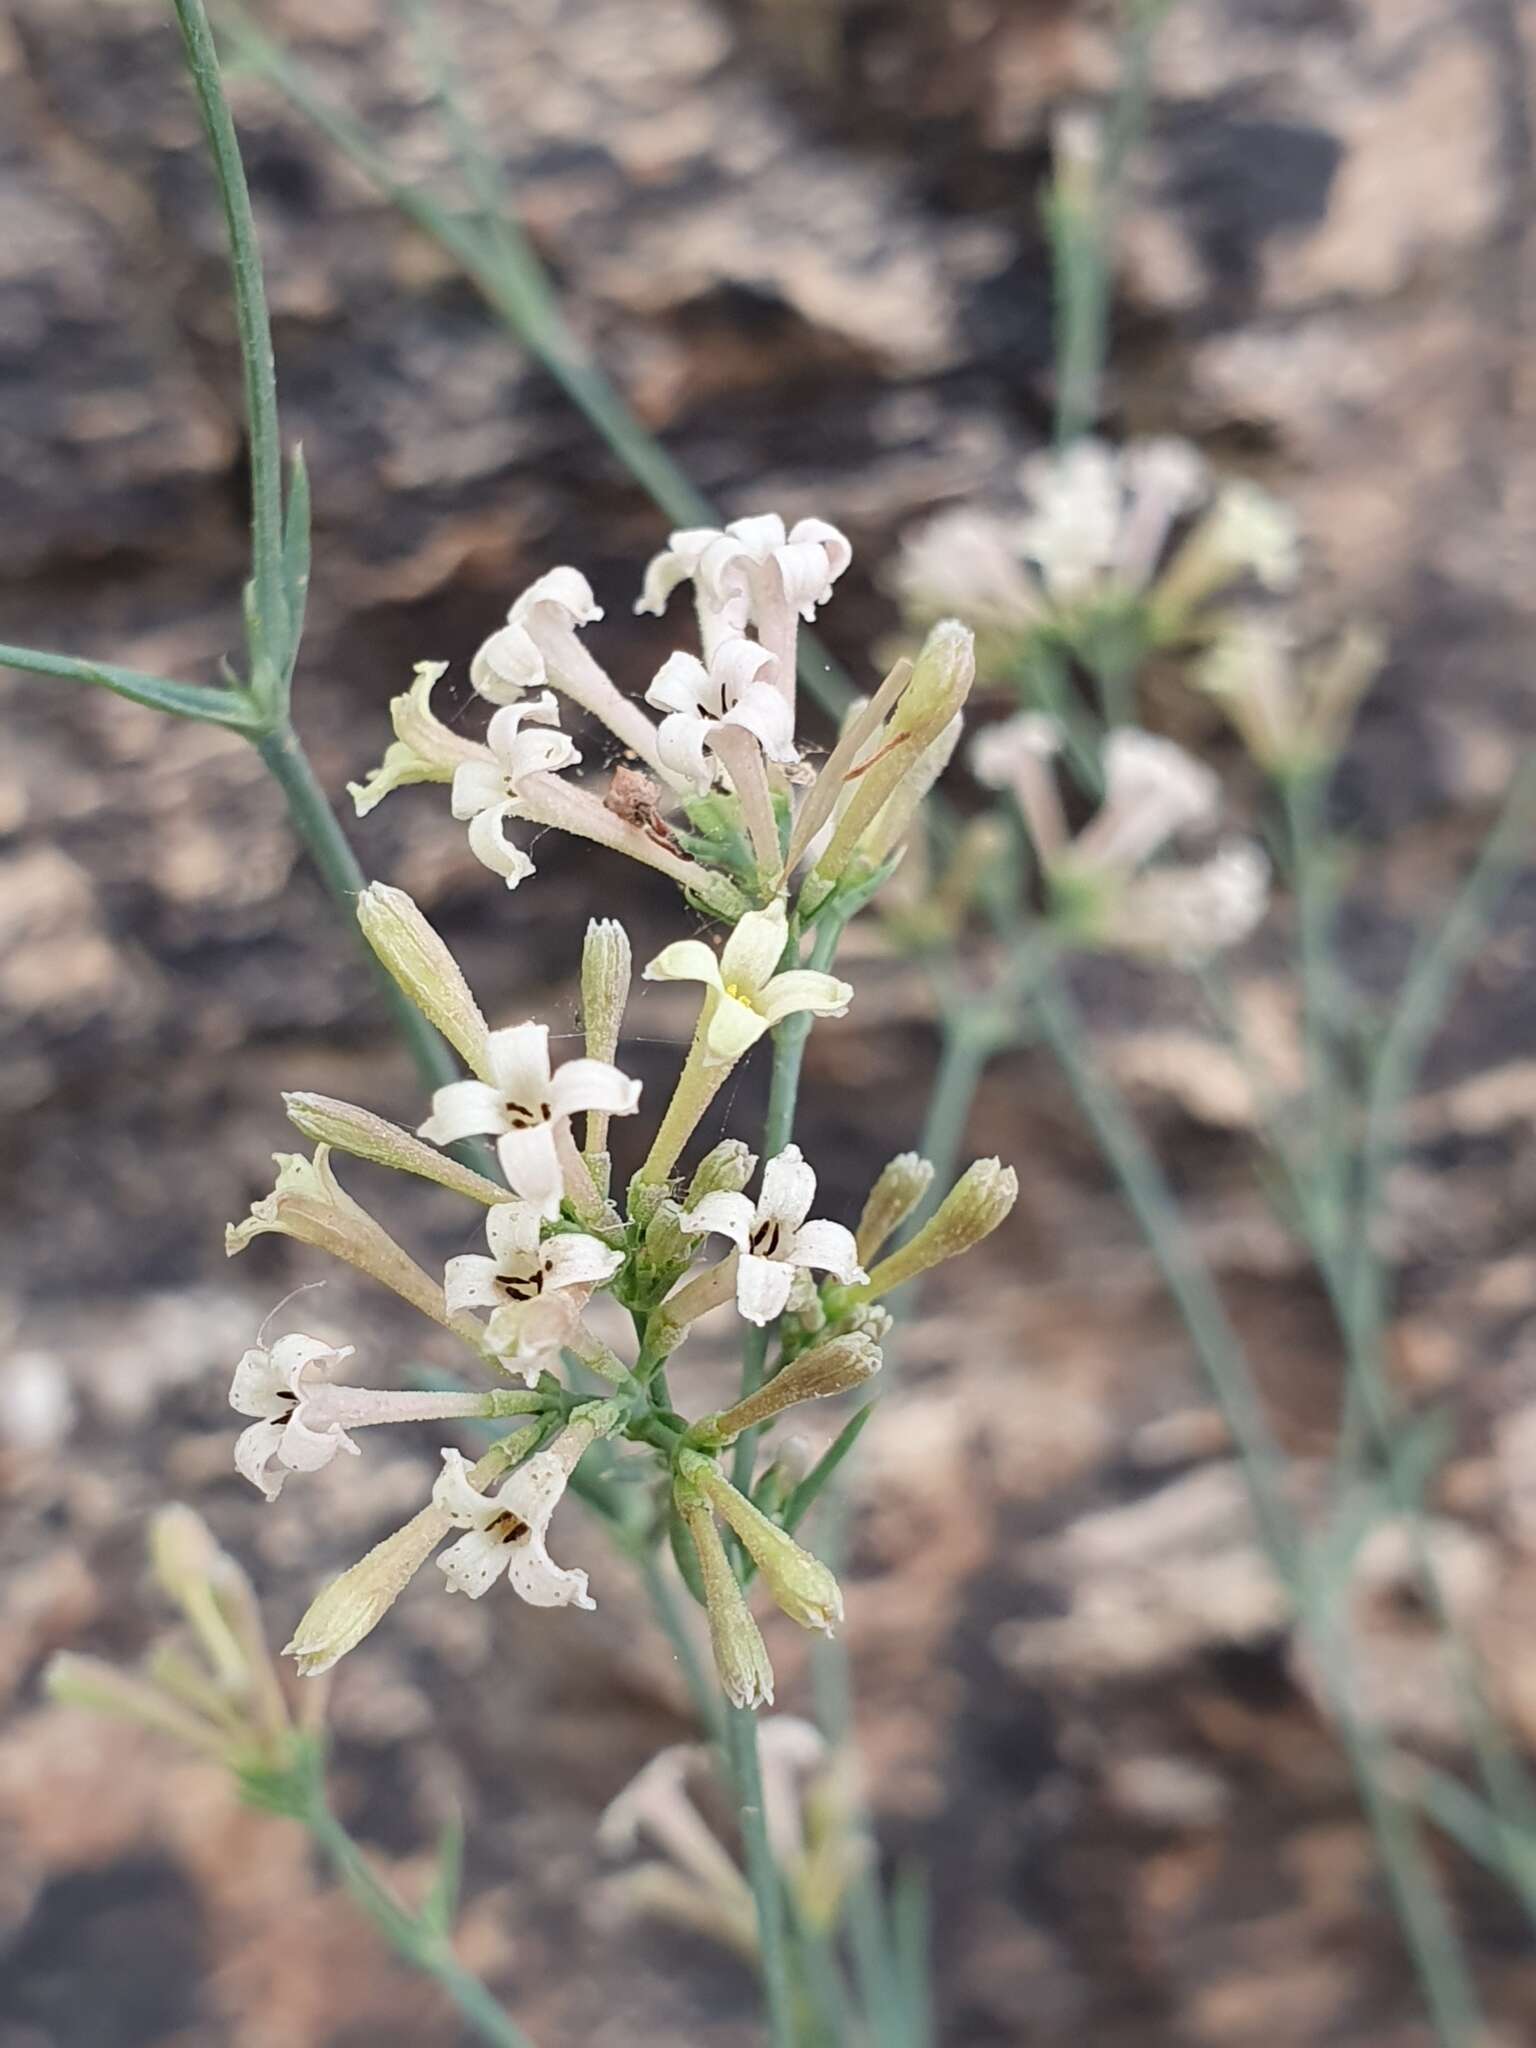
[{"x": 805, "y": 237}]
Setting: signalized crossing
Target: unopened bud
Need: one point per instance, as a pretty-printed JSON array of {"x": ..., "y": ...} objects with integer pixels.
[
  {"x": 972, "y": 1210},
  {"x": 725, "y": 1171},
  {"x": 420, "y": 964},
  {"x": 896, "y": 814},
  {"x": 100, "y": 1688},
  {"x": 342, "y": 1125},
  {"x": 800, "y": 1583},
  {"x": 893, "y": 1198},
  {"x": 666, "y": 1244},
  {"x": 190, "y": 1567},
  {"x": 831, "y": 1368},
  {"x": 606, "y": 971},
  {"x": 741, "y": 1656},
  {"x": 939, "y": 685},
  {"x": 352, "y": 1606}
]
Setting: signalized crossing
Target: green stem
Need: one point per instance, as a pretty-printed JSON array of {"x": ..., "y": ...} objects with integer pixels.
[
  {"x": 283, "y": 754},
  {"x": 255, "y": 332},
  {"x": 1427, "y": 1930},
  {"x": 419, "y": 1945},
  {"x": 762, "y": 1874}
]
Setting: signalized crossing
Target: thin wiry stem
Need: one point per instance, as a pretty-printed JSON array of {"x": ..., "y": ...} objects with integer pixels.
[
  {"x": 269, "y": 677},
  {"x": 501, "y": 261}
]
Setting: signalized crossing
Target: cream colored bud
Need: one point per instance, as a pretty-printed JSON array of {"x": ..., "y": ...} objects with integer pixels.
[
  {"x": 725, "y": 1171},
  {"x": 897, "y": 813},
  {"x": 800, "y": 1583},
  {"x": 424, "y": 749},
  {"x": 665, "y": 1243},
  {"x": 352, "y": 1606},
  {"x": 419, "y": 962},
  {"x": 741, "y": 1656},
  {"x": 342, "y": 1125},
  {"x": 893, "y": 1198},
  {"x": 191, "y": 1570},
  {"x": 830, "y": 1368},
  {"x": 940, "y": 683},
  {"x": 972, "y": 1210},
  {"x": 607, "y": 967}
]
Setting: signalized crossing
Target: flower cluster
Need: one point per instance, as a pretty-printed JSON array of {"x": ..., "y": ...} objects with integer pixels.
[
  {"x": 708, "y": 792},
  {"x": 1116, "y": 553},
  {"x": 555, "y": 1239}
]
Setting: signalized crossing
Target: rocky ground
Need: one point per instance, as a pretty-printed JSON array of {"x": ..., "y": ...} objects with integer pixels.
[{"x": 807, "y": 242}]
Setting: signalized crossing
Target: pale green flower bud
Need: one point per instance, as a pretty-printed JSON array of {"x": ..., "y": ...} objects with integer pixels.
[
  {"x": 725, "y": 1171},
  {"x": 100, "y": 1688},
  {"x": 607, "y": 968},
  {"x": 741, "y": 1656},
  {"x": 940, "y": 683},
  {"x": 342, "y": 1125},
  {"x": 894, "y": 1197},
  {"x": 972, "y": 1210},
  {"x": 800, "y": 1583},
  {"x": 190, "y": 1566},
  {"x": 665, "y": 1243},
  {"x": 830, "y": 1368},
  {"x": 352, "y": 1606},
  {"x": 418, "y": 961}
]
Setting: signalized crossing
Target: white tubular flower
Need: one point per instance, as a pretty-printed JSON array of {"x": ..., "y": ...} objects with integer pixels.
[
  {"x": 1152, "y": 789},
  {"x": 1069, "y": 536},
  {"x": 536, "y": 1291},
  {"x": 963, "y": 563},
  {"x": 527, "y": 1108},
  {"x": 699, "y": 700},
  {"x": 507, "y": 1528},
  {"x": 302, "y": 1419},
  {"x": 486, "y": 792},
  {"x": 774, "y": 1239},
  {"x": 752, "y": 574},
  {"x": 744, "y": 997},
  {"x": 1189, "y": 914},
  {"x": 1017, "y": 756},
  {"x": 277, "y": 1387},
  {"x": 537, "y": 648}
]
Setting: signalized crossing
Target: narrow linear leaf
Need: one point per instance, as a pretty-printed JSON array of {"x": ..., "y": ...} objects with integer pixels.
[
  {"x": 296, "y": 552},
  {"x": 815, "y": 1482},
  {"x": 232, "y": 707}
]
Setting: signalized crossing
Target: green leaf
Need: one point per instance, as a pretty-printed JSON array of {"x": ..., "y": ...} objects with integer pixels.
[
  {"x": 296, "y": 547},
  {"x": 805, "y": 1495},
  {"x": 232, "y": 708}
]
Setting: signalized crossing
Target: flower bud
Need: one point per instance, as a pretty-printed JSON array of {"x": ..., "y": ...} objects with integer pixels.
[
  {"x": 100, "y": 1688},
  {"x": 831, "y": 1368},
  {"x": 325, "y": 1120},
  {"x": 667, "y": 1245},
  {"x": 972, "y": 1210},
  {"x": 893, "y": 1198},
  {"x": 188, "y": 1563},
  {"x": 800, "y": 1583},
  {"x": 418, "y": 961},
  {"x": 939, "y": 686},
  {"x": 725, "y": 1171},
  {"x": 741, "y": 1656},
  {"x": 606, "y": 970},
  {"x": 352, "y": 1606}
]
